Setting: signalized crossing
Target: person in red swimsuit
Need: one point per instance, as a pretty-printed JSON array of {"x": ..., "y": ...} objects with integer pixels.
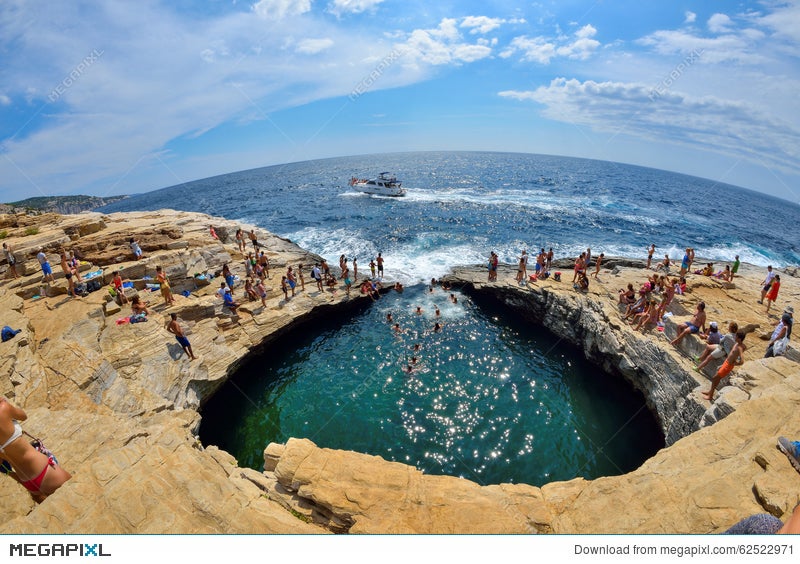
[
  {"x": 772, "y": 295},
  {"x": 39, "y": 473}
]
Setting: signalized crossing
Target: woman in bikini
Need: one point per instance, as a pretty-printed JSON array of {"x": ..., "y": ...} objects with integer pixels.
[
  {"x": 38, "y": 473},
  {"x": 166, "y": 291}
]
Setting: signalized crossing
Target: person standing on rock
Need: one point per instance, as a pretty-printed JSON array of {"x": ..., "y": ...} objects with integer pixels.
[
  {"x": 379, "y": 260},
  {"x": 734, "y": 358},
  {"x": 254, "y": 240},
  {"x": 47, "y": 270},
  {"x": 772, "y": 295},
  {"x": 317, "y": 276},
  {"x": 767, "y": 283},
  {"x": 175, "y": 328},
  {"x": 166, "y": 291},
  {"x": 522, "y": 267},
  {"x": 263, "y": 260},
  {"x": 35, "y": 468},
  {"x": 240, "y": 244},
  {"x": 11, "y": 259},
  {"x": 650, "y": 252},
  {"x": 735, "y": 267},
  {"x": 597, "y": 264},
  {"x": 68, "y": 275}
]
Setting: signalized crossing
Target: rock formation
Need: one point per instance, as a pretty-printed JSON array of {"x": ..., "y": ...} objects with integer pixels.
[{"x": 118, "y": 402}]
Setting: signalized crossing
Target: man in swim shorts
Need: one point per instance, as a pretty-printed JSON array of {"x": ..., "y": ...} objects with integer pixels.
[
  {"x": 693, "y": 326},
  {"x": 47, "y": 270},
  {"x": 175, "y": 328},
  {"x": 733, "y": 358},
  {"x": 254, "y": 240},
  {"x": 379, "y": 261},
  {"x": 767, "y": 283}
]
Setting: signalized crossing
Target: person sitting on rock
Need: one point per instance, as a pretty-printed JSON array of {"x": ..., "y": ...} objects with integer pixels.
[
  {"x": 628, "y": 296},
  {"x": 695, "y": 325},
  {"x": 250, "y": 291},
  {"x": 664, "y": 264},
  {"x": 35, "y": 468},
  {"x": 228, "y": 301},
  {"x": 648, "y": 317},
  {"x": 138, "y": 306},
  {"x": 724, "y": 275},
  {"x": 117, "y": 284},
  {"x": 718, "y": 351},
  {"x": 767, "y": 524}
]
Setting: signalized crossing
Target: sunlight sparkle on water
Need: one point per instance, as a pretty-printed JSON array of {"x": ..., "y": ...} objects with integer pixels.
[{"x": 477, "y": 386}]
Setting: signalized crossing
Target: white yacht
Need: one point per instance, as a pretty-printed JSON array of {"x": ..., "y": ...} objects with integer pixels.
[{"x": 384, "y": 185}]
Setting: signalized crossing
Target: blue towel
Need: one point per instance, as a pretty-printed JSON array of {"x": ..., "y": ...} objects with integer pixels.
[{"x": 8, "y": 333}]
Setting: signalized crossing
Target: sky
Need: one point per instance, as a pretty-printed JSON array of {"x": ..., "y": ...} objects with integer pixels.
[{"x": 107, "y": 98}]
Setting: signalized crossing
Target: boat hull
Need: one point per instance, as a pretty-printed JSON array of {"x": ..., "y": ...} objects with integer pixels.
[{"x": 392, "y": 191}]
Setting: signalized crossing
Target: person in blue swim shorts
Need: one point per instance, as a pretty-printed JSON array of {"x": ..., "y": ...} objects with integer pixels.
[
  {"x": 696, "y": 324},
  {"x": 47, "y": 270},
  {"x": 175, "y": 328}
]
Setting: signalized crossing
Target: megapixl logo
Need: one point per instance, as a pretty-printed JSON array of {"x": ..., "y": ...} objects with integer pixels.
[{"x": 52, "y": 549}]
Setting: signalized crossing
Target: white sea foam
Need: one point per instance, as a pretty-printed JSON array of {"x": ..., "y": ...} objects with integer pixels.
[{"x": 409, "y": 263}]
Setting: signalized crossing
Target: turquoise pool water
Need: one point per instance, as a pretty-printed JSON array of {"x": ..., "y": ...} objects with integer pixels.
[{"x": 491, "y": 397}]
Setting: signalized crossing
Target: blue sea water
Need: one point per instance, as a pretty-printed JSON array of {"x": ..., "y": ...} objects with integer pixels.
[
  {"x": 493, "y": 398},
  {"x": 461, "y": 205}
]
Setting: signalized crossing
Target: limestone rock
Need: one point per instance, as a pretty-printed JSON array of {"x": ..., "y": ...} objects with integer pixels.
[{"x": 118, "y": 402}]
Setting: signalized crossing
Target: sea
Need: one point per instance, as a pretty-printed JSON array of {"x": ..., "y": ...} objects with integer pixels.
[{"x": 490, "y": 397}]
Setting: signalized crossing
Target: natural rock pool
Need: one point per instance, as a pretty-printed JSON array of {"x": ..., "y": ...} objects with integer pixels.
[{"x": 491, "y": 397}]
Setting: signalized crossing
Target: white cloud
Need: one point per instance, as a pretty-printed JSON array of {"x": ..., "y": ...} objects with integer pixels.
[
  {"x": 536, "y": 49},
  {"x": 689, "y": 17},
  {"x": 586, "y": 31},
  {"x": 340, "y": 7},
  {"x": 738, "y": 47},
  {"x": 481, "y": 24},
  {"x": 485, "y": 24},
  {"x": 441, "y": 45},
  {"x": 784, "y": 20},
  {"x": 313, "y": 46},
  {"x": 543, "y": 49},
  {"x": 114, "y": 126},
  {"x": 279, "y": 9},
  {"x": 5, "y": 100},
  {"x": 719, "y": 23},
  {"x": 702, "y": 122}
]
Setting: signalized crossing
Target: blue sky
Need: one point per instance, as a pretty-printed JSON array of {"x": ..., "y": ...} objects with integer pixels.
[{"x": 109, "y": 98}]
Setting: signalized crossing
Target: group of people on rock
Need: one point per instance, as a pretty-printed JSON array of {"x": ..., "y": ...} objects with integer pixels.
[
  {"x": 541, "y": 267},
  {"x": 647, "y": 307},
  {"x": 731, "y": 346}
]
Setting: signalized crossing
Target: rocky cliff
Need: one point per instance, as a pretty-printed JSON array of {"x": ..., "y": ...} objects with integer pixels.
[{"x": 118, "y": 402}]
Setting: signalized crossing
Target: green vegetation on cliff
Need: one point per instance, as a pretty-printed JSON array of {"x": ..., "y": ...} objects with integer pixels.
[{"x": 61, "y": 204}]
